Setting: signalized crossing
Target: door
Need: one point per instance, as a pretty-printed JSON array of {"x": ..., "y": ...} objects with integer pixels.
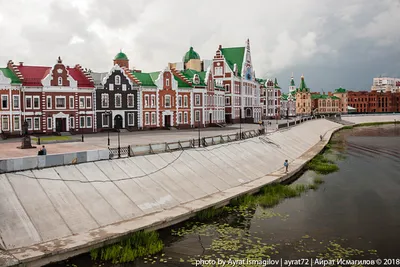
[
  {"x": 118, "y": 122},
  {"x": 58, "y": 125},
  {"x": 210, "y": 117},
  {"x": 167, "y": 119}
]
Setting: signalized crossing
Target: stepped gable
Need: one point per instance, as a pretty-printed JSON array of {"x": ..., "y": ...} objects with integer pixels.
[
  {"x": 133, "y": 78},
  {"x": 31, "y": 75},
  {"x": 85, "y": 72},
  {"x": 15, "y": 69},
  {"x": 180, "y": 77}
]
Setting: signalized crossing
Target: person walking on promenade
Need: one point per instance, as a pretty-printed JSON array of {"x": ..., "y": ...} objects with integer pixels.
[
  {"x": 286, "y": 164},
  {"x": 43, "y": 151}
]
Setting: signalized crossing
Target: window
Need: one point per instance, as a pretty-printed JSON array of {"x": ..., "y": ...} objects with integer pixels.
[
  {"x": 185, "y": 101},
  {"x": 117, "y": 80},
  {"x": 105, "y": 120},
  {"x": 71, "y": 102},
  {"x": 180, "y": 117},
  {"x": 118, "y": 101},
  {"x": 153, "y": 101},
  {"x": 104, "y": 100},
  {"x": 153, "y": 118},
  {"x": 168, "y": 101},
  {"x": 185, "y": 117},
  {"x": 28, "y": 102},
  {"x": 180, "y": 101},
  {"x": 124, "y": 87},
  {"x": 17, "y": 123},
  {"x": 60, "y": 102},
  {"x": 15, "y": 101},
  {"x": 130, "y": 100},
  {"x": 36, "y": 124},
  {"x": 71, "y": 123},
  {"x": 60, "y": 81},
  {"x": 89, "y": 122},
  {"x": 146, "y": 118},
  {"x": 146, "y": 101},
  {"x": 4, "y": 123},
  {"x": 49, "y": 123},
  {"x": 29, "y": 121},
  {"x": 111, "y": 87},
  {"x": 227, "y": 88},
  {"x": 167, "y": 82},
  {"x": 88, "y": 102},
  {"x": 197, "y": 100},
  {"x": 4, "y": 101},
  {"x": 197, "y": 115},
  {"x": 81, "y": 102},
  {"x": 131, "y": 119},
  {"x": 82, "y": 122},
  {"x": 48, "y": 102}
]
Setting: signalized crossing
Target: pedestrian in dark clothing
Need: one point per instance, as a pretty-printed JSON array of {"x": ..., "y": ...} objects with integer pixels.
[
  {"x": 286, "y": 164},
  {"x": 42, "y": 151}
]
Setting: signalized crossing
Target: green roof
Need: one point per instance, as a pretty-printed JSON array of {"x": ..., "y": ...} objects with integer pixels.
[
  {"x": 191, "y": 54},
  {"x": 121, "y": 56},
  {"x": 292, "y": 82},
  {"x": 9, "y": 74},
  {"x": 319, "y": 96},
  {"x": 284, "y": 96},
  {"x": 340, "y": 90},
  {"x": 234, "y": 55},
  {"x": 261, "y": 81},
  {"x": 303, "y": 86},
  {"x": 276, "y": 85},
  {"x": 190, "y": 74},
  {"x": 145, "y": 78}
]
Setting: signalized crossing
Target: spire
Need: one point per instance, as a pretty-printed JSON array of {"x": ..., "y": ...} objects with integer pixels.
[
  {"x": 292, "y": 81},
  {"x": 276, "y": 85},
  {"x": 303, "y": 86}
]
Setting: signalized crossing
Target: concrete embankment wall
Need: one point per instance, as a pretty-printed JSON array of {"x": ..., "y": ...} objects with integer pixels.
[
  {"x": 371, "y": 118},
  {"x": 54, "y": 213}
]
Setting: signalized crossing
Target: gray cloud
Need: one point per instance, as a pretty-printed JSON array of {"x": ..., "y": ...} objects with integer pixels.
[{"x": 334, "y": 43}]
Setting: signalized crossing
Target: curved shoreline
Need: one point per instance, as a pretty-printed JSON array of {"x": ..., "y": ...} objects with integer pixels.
[{"x": 51, "y": 251}]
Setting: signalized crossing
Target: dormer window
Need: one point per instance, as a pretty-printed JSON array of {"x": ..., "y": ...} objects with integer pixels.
[
  {"x": 117, "y": 80},
  {"x": 60, "y": 81}
]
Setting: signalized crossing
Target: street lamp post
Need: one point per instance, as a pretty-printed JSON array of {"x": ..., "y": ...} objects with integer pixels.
[
  {"x": 199, "y": 132},
  {"x": 108, "y": 113},
  {"x": 240, "y": 124}
]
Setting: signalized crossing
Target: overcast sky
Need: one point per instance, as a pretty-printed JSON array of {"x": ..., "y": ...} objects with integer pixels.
[{"x": 333, "y": 42}]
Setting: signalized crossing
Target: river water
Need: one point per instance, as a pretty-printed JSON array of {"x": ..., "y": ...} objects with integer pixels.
[{"x": 355, "y": 214}]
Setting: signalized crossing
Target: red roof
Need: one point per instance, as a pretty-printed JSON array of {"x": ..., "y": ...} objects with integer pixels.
[
  {"x": 80, "y": 77},
  {"x": 33, "y": 75}
]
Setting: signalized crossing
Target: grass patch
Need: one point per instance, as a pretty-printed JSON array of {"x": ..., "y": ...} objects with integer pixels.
[
  {"x": 347, "y": 127},
  {"x": 374, "y": 123},
  {"x": 52, "y": 138},
  {"x": 318, "y": 180},
  {"x": 322, "y": 165},
  {"x": 208, "y": 214},
  {"x": 139, "y": 244}
]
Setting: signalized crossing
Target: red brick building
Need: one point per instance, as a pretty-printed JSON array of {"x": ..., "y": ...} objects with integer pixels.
[
  {"x": 374, "y": 102},
  {"x": 55, "y": 99}
]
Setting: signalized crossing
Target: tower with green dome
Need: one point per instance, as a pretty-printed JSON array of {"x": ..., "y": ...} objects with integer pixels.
[
  {"x": 191, "y": 60},
  {"x": 121, "y": 60}
]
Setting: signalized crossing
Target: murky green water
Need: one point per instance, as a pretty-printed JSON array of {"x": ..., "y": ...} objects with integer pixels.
[{"x": 355, "y": 214}]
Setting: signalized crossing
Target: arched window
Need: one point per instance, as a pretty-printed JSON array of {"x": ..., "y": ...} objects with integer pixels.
[
  {"x": 117, "y": 80},
  {"x": 60, "y": 81}
]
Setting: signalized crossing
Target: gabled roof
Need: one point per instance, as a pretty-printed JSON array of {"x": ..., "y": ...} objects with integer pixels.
[
  {"x": 81, "y": 78},
  {"x": 33, "y": 75},
  {"x": 234, "y": 55},
  {"x": 144, "y": 78},
  {"x": 188, "y": 73},
  {"x": 9, "y": 74}
]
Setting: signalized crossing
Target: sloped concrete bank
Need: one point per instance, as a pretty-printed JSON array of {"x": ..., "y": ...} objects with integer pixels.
[{"x": 52, "y": 214}]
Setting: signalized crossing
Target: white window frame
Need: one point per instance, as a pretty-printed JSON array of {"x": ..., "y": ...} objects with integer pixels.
[
  {"x": 35, "y": 119},
  {"x": 17, "y": 124},
  {"x": 65, "y": 102},
  {"x": 103, "y": 116},
  {"x": 38, "y": 98},
  {"x": 131, "y": 116},
  {"x": 197, "y": 100},
  {"x": 8, "y": 123},
  {"x": 82, "y": 103},
  {"x": 153, "y": 101},
  {"x": 82, "y": 125},
  {"x": 165, "y": 99},
  {"x": 153, "y": 118},
  {"x": 146, "y": 101},
  {"x": 120, "y": 101},
  {"x": 197, "y": 115},
  {"x": 71, "y": 100},
  {"x": 117, "y": 80},
  {"x": 47, "y": 102},
  {"x": 16, "y": 97},
  {"x": 30, "y": 125},
  {"x": 185, "y": 101},
  {"x": 89, "y": 122},
  {"x": 107, "y": 97},
  {"x": 49, "y": 123},
  {"x": 88, "y": 104},
  {"x": 26, "y": 102},
  {"x": 179, "y": 117},
  {"x": 185, "y": 117},
  {"x": 124, "y": 87},
  {"x": 133, "y": 100},
  {"x": 146, "y": 118},
  {"x": 167, "y": 82},
  {"x": 60, "y": 81},
  {"x": 71, "y": 123},
  {"x": 111, "y": 87},
  {"x": 180, "y": 102}
]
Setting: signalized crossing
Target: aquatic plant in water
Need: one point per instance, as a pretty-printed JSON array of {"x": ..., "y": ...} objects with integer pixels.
[
  {"x": 322, "y": 165},
  {"x": 139, "y": 244}
]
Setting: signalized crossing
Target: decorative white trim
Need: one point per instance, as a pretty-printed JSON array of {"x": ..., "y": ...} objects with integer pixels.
[
  {"x": 167, "y": 112},
  {"x": 4, "y": 80},
  {"x": 114, "y": 68},
  {"x": 160, "y": 80}
]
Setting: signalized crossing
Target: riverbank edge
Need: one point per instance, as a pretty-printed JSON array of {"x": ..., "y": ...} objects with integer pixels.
[{"x": 45, "y": 253}]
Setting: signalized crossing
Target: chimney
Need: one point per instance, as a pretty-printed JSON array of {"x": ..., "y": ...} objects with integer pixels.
[
  {"x": 21, "y": 63},
  {"x": 220, "y": 47}
]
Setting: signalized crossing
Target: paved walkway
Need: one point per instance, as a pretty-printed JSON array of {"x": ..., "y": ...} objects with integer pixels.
[{"x": 8, "y": 148}]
